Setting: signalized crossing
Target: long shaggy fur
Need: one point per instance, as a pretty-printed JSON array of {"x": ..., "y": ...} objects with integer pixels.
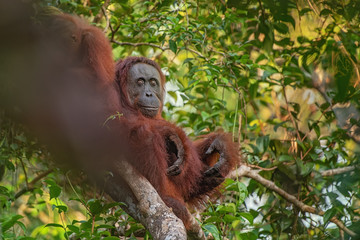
[{"x": 149, "y": 151}]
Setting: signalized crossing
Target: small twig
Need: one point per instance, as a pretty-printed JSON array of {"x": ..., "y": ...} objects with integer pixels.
[
  {"x": 247, "y": 172},
  {"x": 313, "y": 8},
  {"x": 307, "y": 152},
  {"x": 113, "y": 32},
  {"x": 261, "y": 125},
  {"x": 77, "y": 195},
  {"x": 344, "y": 51},
  {"x": 102, "y": 12},
  {"x": 322, "y": 114},
  {"x": 25, "y": 173},
  {"x": 262, "y": 10},
  {"x": 261, "y": 168},
  {"x": 240, "y": 127},
  {"x": 211, "y": 49},
  {"x": 163, "y": 48},
  {"x": 291, "y": 116},
  {"x": 93, "y": 224},
  {"x": 196, "y": 52},
  {"x": 141, "y": 44},
  {"x": 106, "y": 18},
  {"x": 30, "y": 185}
]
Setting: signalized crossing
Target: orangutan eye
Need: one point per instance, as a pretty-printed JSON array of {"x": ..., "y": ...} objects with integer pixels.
[
  {"x": 140, "y": 81},
  {"x": 153, "y": 82}
]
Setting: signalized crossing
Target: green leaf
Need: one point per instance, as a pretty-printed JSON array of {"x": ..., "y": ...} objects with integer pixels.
[
  {"x": 54, "y": 225},
  {"x": 110, "y": 238},
  {"x": 247, "y": 216},
  {"x": 4, "y": 191},
  {"x": 85, "y": 226},
  {"x": 21, "y": 138},
  {"x": 329, "y": 214},
  {"x": 9, "y": 165},
  {"x": 281, "y": 27},
  {"x": 105, "y": 226},
  {"x": 73, "y": 228},
  {"x": 243, "y": 192},
  {"x": 188, "y": 60},
  {"x": 95, "y": 206},
  {"x": 285, "y": 158},
  {"x": 325, "y": 12},
  {"x": 253, "y": 90},
  {"x": 21, "y": 225},
  {"x": 304, "y": 11},
  {"x": 229, "y": 218},
  {"x": 172, "y": 94},
  {"x": 228, "y": 208},
  {"x": 305, "y": 169},
  {"x": 311, "y": 58},
  {"x": 288, "y": 18},
  {"x": 285, "y": 223},
  {"x": 7, "y": 224},
  {"x": 280, "y": 124},
  {"x": 55, "y": 191},
  {"x": 213, "y": 230},
  {"x": 263, "y": 143},
  {"x": 173, "y": 46},
  {"x": 61, "y": 208}
]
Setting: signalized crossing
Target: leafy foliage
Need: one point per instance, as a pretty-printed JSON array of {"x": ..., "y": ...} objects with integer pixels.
[{"x": 282, "y": 76}]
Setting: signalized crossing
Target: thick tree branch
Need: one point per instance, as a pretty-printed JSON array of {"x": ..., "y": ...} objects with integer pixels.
[
  {"x": 247, "y": 172},
  {"x": 144, "y": 204}
]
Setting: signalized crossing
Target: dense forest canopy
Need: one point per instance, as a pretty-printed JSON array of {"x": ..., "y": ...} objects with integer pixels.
[{"x": 281, "y": 76}]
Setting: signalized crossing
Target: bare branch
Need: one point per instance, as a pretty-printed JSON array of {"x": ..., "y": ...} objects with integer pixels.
[
  {"x": 144, "y": 204},
  {"x": 290, "y": 115},
  {"x": 344, "y": 51},
  {"x": 163, "y": 48},
  {"x": 25, "y": 173},
  {"x": 336, "y": 171},
  {"x": 147, "y": 206},
  {"x": 261, "y": 168},
  {"x": 101, "y": 13},
  {"x": 30, "y": 186},
  {"x": 247, "y": 172},
  {"x": 196, "y": 52},
  {"x": 141, "y": 44},
  {"x": 107, "y": 19}
]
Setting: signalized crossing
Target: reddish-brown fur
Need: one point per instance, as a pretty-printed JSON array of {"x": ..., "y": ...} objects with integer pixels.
[
  {"x": 148, "y": 138},
  {"x": 141, "y": 139},
  {"x": 88, "y": 44},
  {"x": 75, "y": 94}
]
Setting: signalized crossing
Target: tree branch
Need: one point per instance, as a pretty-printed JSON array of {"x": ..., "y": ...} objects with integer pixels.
[
  {"x": 344, "y": 51},
  {"x": 336, "y": 171},
  {"x": 141, "y": 44},
  {"x": 101, "y": 13},
  {"x": 106, "y": 18},
  {"x": 30, "y": 185},
  {"x": 247, "y": 172},
  {"x": 163, "y": 48},
  {"x": 144, "y": 204}
]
